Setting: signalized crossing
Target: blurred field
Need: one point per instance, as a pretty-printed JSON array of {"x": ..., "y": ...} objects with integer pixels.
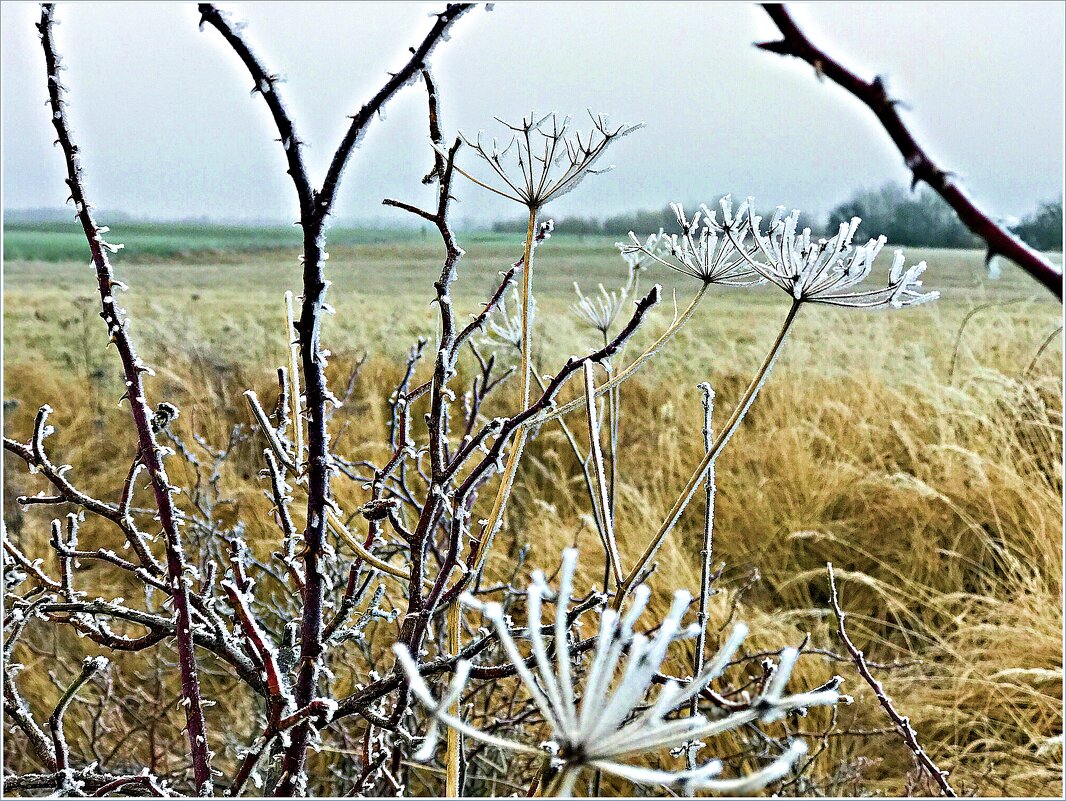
[
  {"x": 920, "y": 451},
  {"x": 53, "y": 241}
]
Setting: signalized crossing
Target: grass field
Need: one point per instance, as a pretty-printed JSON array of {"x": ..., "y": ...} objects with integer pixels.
[
  {"x": 58, "y": 242},
  {"x": 919, "y": 450}
]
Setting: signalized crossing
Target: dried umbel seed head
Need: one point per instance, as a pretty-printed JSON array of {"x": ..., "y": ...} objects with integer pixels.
[
  {"x": 505, "y": 325},
  {"x": 701, "y": 251},
  {"x": 826, "y": 270},
  {"x": 737, "y": 251},
  {"x": 611, "y": 719},
  {"x": 544, "y": 158},
  {"x": 598, "y": 311}
]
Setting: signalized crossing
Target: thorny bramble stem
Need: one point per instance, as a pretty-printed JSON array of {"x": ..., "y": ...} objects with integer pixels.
[
  {"x": 148, "y": 447},
  {"x": 315, "y": 207},
  {"x": 875, "y": 96}
]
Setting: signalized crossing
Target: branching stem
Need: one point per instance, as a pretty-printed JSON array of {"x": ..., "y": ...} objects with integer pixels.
[
  {"x": 901, "y": 722},
  {"x": 148, "y": 446}
]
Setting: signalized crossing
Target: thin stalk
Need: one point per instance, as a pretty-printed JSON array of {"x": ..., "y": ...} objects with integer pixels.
[
  {"x": 637, "y": 363},
  {"x": 706, "y": 555},
  {"x": 581, "y": 460},
  {"x": 614, "y": 408},
  {"x": 451, "y": 789},
  {"x": 527, "y": 301},
  {"x": 712, "y": 453},
  {"x": 496, "y": 517},
  {"x": 294, "y": 382},
  {"x": 610, "y": 547},
  {"x": 901, "y": 722}
]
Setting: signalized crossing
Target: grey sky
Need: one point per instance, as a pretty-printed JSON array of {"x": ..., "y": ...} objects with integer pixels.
[{"x": 168, "y": 129}]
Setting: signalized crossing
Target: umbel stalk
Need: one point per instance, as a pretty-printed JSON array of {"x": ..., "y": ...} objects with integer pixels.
[
  {"x": 727, "y": 432},
  {"x": 527, "y": 307}
]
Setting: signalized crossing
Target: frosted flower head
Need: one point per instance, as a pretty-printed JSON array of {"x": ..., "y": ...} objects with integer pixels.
[
  {"x": 638, "y": 258},
  {"x": 598, "y": 311},
  {"x": 828, "y": 270},
  {"x": 702, "y": 250},
  {"x": 544, "y": 159},
  {"x": 505, "y": 325},
  {"x": 614, "y": 720}
]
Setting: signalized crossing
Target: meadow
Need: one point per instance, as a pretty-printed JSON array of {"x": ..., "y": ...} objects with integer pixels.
[{"x": 919, "y": 451}]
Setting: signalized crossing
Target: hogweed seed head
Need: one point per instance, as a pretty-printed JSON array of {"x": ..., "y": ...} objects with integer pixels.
[
  {"x": 827, "y": 270},
  {"x": 613, "y": 720},
  {"x": 738, "y": 251},
  {"x": 544, "y": 159},
  {"x": 702, "y": 250}
]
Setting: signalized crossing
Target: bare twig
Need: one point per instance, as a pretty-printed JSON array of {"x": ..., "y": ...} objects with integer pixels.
[
  {"x": 901, "y": 722},
  {"x": 874, "y": 95},
  {"x": 90, "y": 667}
]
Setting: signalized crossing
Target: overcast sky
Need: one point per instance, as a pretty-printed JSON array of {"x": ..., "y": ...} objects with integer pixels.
[{"x": 168, "y": 129}]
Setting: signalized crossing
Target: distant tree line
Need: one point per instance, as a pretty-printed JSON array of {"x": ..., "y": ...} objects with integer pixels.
[
  {"x": 910, "y": 219},
  {"x": 1043, "y": 228}
]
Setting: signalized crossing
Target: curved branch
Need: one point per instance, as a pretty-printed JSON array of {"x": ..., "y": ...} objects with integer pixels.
[
  {"x": 266, "y": 83},
  {"x": 408, "y": 73},
  {"x": 873, "y": 94}
]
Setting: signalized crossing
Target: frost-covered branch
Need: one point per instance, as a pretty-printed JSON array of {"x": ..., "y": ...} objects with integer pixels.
[
  {"x": 874, "y": 94},
  {"x": 134, "y": 369},
  {"x": 901, "y": 722}
]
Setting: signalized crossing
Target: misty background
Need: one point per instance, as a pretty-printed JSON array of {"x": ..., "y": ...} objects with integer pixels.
[{"x": 169, "y": 130}]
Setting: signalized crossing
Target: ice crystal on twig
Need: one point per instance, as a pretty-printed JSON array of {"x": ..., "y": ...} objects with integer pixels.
[{"x": 612, "y": 720}]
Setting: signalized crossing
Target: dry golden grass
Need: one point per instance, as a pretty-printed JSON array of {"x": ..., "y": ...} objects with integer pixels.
[{"x": 938, "y": 497}]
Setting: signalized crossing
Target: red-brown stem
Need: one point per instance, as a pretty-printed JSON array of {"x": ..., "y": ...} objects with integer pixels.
[
  {"x": 255, "y": 635},
  {"x": 133, "y": 369},
  {"x": 873, "y": 94},
  {"x": 315, "y": 208}
]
